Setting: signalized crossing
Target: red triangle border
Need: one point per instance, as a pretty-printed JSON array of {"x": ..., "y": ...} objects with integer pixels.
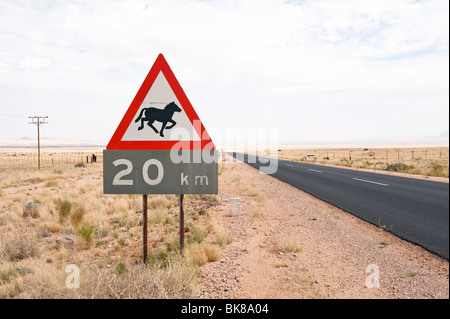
[{"x": 160, "y": 65}]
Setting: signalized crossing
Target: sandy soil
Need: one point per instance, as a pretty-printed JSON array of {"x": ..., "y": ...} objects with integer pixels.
[{"x": 333, "y": 254}]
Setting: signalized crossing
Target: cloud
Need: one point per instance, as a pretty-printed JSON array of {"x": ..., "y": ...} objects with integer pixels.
[
  {"x": 34, "y": 63},
  {"x": 338, "y": 61}
]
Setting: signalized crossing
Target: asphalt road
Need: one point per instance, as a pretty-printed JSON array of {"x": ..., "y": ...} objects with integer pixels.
[{"x": 412, "y": 209}]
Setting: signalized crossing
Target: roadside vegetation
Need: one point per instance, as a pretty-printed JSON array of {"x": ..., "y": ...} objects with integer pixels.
[
  {"x": 428, "y": 161},
  {"x": 59, "y": 216}
]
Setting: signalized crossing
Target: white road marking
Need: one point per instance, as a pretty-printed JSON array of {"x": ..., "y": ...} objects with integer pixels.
[
  {"x": 289, "y": 165},
  {"x": 363, "y": 180},
  {"x": 314, "y": 170}
]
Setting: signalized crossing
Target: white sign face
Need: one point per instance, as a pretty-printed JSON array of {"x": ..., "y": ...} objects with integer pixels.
[
  {"x": 155, "y": 172},
  {"x": 160, "y": 117}
]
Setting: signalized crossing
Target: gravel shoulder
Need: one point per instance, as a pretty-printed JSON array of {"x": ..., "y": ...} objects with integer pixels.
[{"x": 289, "y": 244}]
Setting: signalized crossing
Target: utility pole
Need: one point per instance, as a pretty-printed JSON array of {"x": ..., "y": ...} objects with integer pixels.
[{"x": 38, "y": 120}]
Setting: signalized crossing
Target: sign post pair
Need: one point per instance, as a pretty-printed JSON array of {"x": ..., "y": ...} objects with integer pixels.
[{"x": 160, "y": 146}]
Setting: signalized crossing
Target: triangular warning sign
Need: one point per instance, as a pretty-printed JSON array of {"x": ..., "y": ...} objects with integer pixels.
[{"x": 160, "y": 117}]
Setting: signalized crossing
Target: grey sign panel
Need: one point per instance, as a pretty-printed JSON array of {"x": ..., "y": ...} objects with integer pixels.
[{"x": 160, "y": 172}]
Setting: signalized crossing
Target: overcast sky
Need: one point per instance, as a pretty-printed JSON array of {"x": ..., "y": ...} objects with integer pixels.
[{"x": 322, "y": 70}]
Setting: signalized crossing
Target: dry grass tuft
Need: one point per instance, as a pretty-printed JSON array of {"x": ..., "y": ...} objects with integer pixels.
[
  {"x": 202, "y": 253},
  {"x": 51, "y": 227},
  {"x": 87, "y": 232},
  {"x": 287, "y": 244},
  {"x": 19, "y": 247},
  {"x": 159, "y": 202},
  {"x": 64, "y": 208},
  {"x": 222, "y": 236},
  {"x": 51, "y": 183},
  {"x": 158, "y": 215},
  {"x": 212, "y": 251},
  {"x": 7, "y": 273},
  {"x": 77, "y": 216},
  {"x": 196, "y": 252},
  {"x": 10, "y": 283}
]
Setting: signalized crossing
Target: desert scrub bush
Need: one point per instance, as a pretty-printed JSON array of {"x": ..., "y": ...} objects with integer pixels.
[
  {"x": 159, "y": 202},
  {"x": 121, "y": 242},
  {"x": 114, "y": 205},
  {"x": 196, "y": 253},
  {"x": 222, "y": 237},
  {"x": 77, "y": 216},
  {"x": 157, "y": 257},
  {"x": 86, "y": 232},
  {"x": 132, "y": 221},
  {"x": 413, "y": 170},
  {"x": 51, "y": 183},
  {"x": 19, "y": 247},
  {"x": 192, "y": 197},
  {"x": 121, "y": 268},
  {"x": 172, "y": 243},
  {"x": 52, "y": 227},
  {"x": 212, "y": 251},
  {"x": 397, "y": 167},
  {"x": 366, "y": 164},
  {"x": 7, "y": 273},
  {"x": 10, "y": 283},
  {"x": 287, "y": 244},
  {"x": 158, "y": 215},
  {"x": 64, "y": 207},
  {"x": 236, "y": 179},
  {"x": 345, "y": 162},
  {"x": 199, "y": 233},
  {"x": 438, "y": 170},
  {"x": 121, "y": 205},
  {"x": 201, "y": 253},
  {"x": 251, "y": 190},
  {"x": 384, "y": 243}
]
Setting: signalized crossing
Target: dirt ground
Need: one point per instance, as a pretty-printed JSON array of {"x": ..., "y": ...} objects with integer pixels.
[{"x": 288, "y": 244}]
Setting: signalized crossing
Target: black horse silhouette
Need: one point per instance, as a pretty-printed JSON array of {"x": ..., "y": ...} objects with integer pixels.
[{"x": 164, "y": 116}]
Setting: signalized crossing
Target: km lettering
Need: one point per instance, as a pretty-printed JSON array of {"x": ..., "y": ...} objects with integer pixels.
[{"x": 198, "y": 179}]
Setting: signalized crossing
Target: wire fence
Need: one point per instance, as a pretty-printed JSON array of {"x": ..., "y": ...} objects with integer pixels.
[
  {"x": 47, "y": 159},
  {"x": 386, "y": 155},
  {"x": 432, "y": 161}
]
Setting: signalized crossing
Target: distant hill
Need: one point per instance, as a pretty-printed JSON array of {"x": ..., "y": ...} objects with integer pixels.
[{"x": 444, "y": 134}]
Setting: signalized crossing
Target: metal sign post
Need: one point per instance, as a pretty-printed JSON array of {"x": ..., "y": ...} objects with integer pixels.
[
  {"x": 181, "y": 222},
  {"x": 144, "y": 228}
]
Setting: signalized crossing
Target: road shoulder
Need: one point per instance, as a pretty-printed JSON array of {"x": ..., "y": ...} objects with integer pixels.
[{"x": 289, "y": 244}]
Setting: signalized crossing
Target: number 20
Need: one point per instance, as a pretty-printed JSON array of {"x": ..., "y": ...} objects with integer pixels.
[{"x": 129, "y": 168}]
